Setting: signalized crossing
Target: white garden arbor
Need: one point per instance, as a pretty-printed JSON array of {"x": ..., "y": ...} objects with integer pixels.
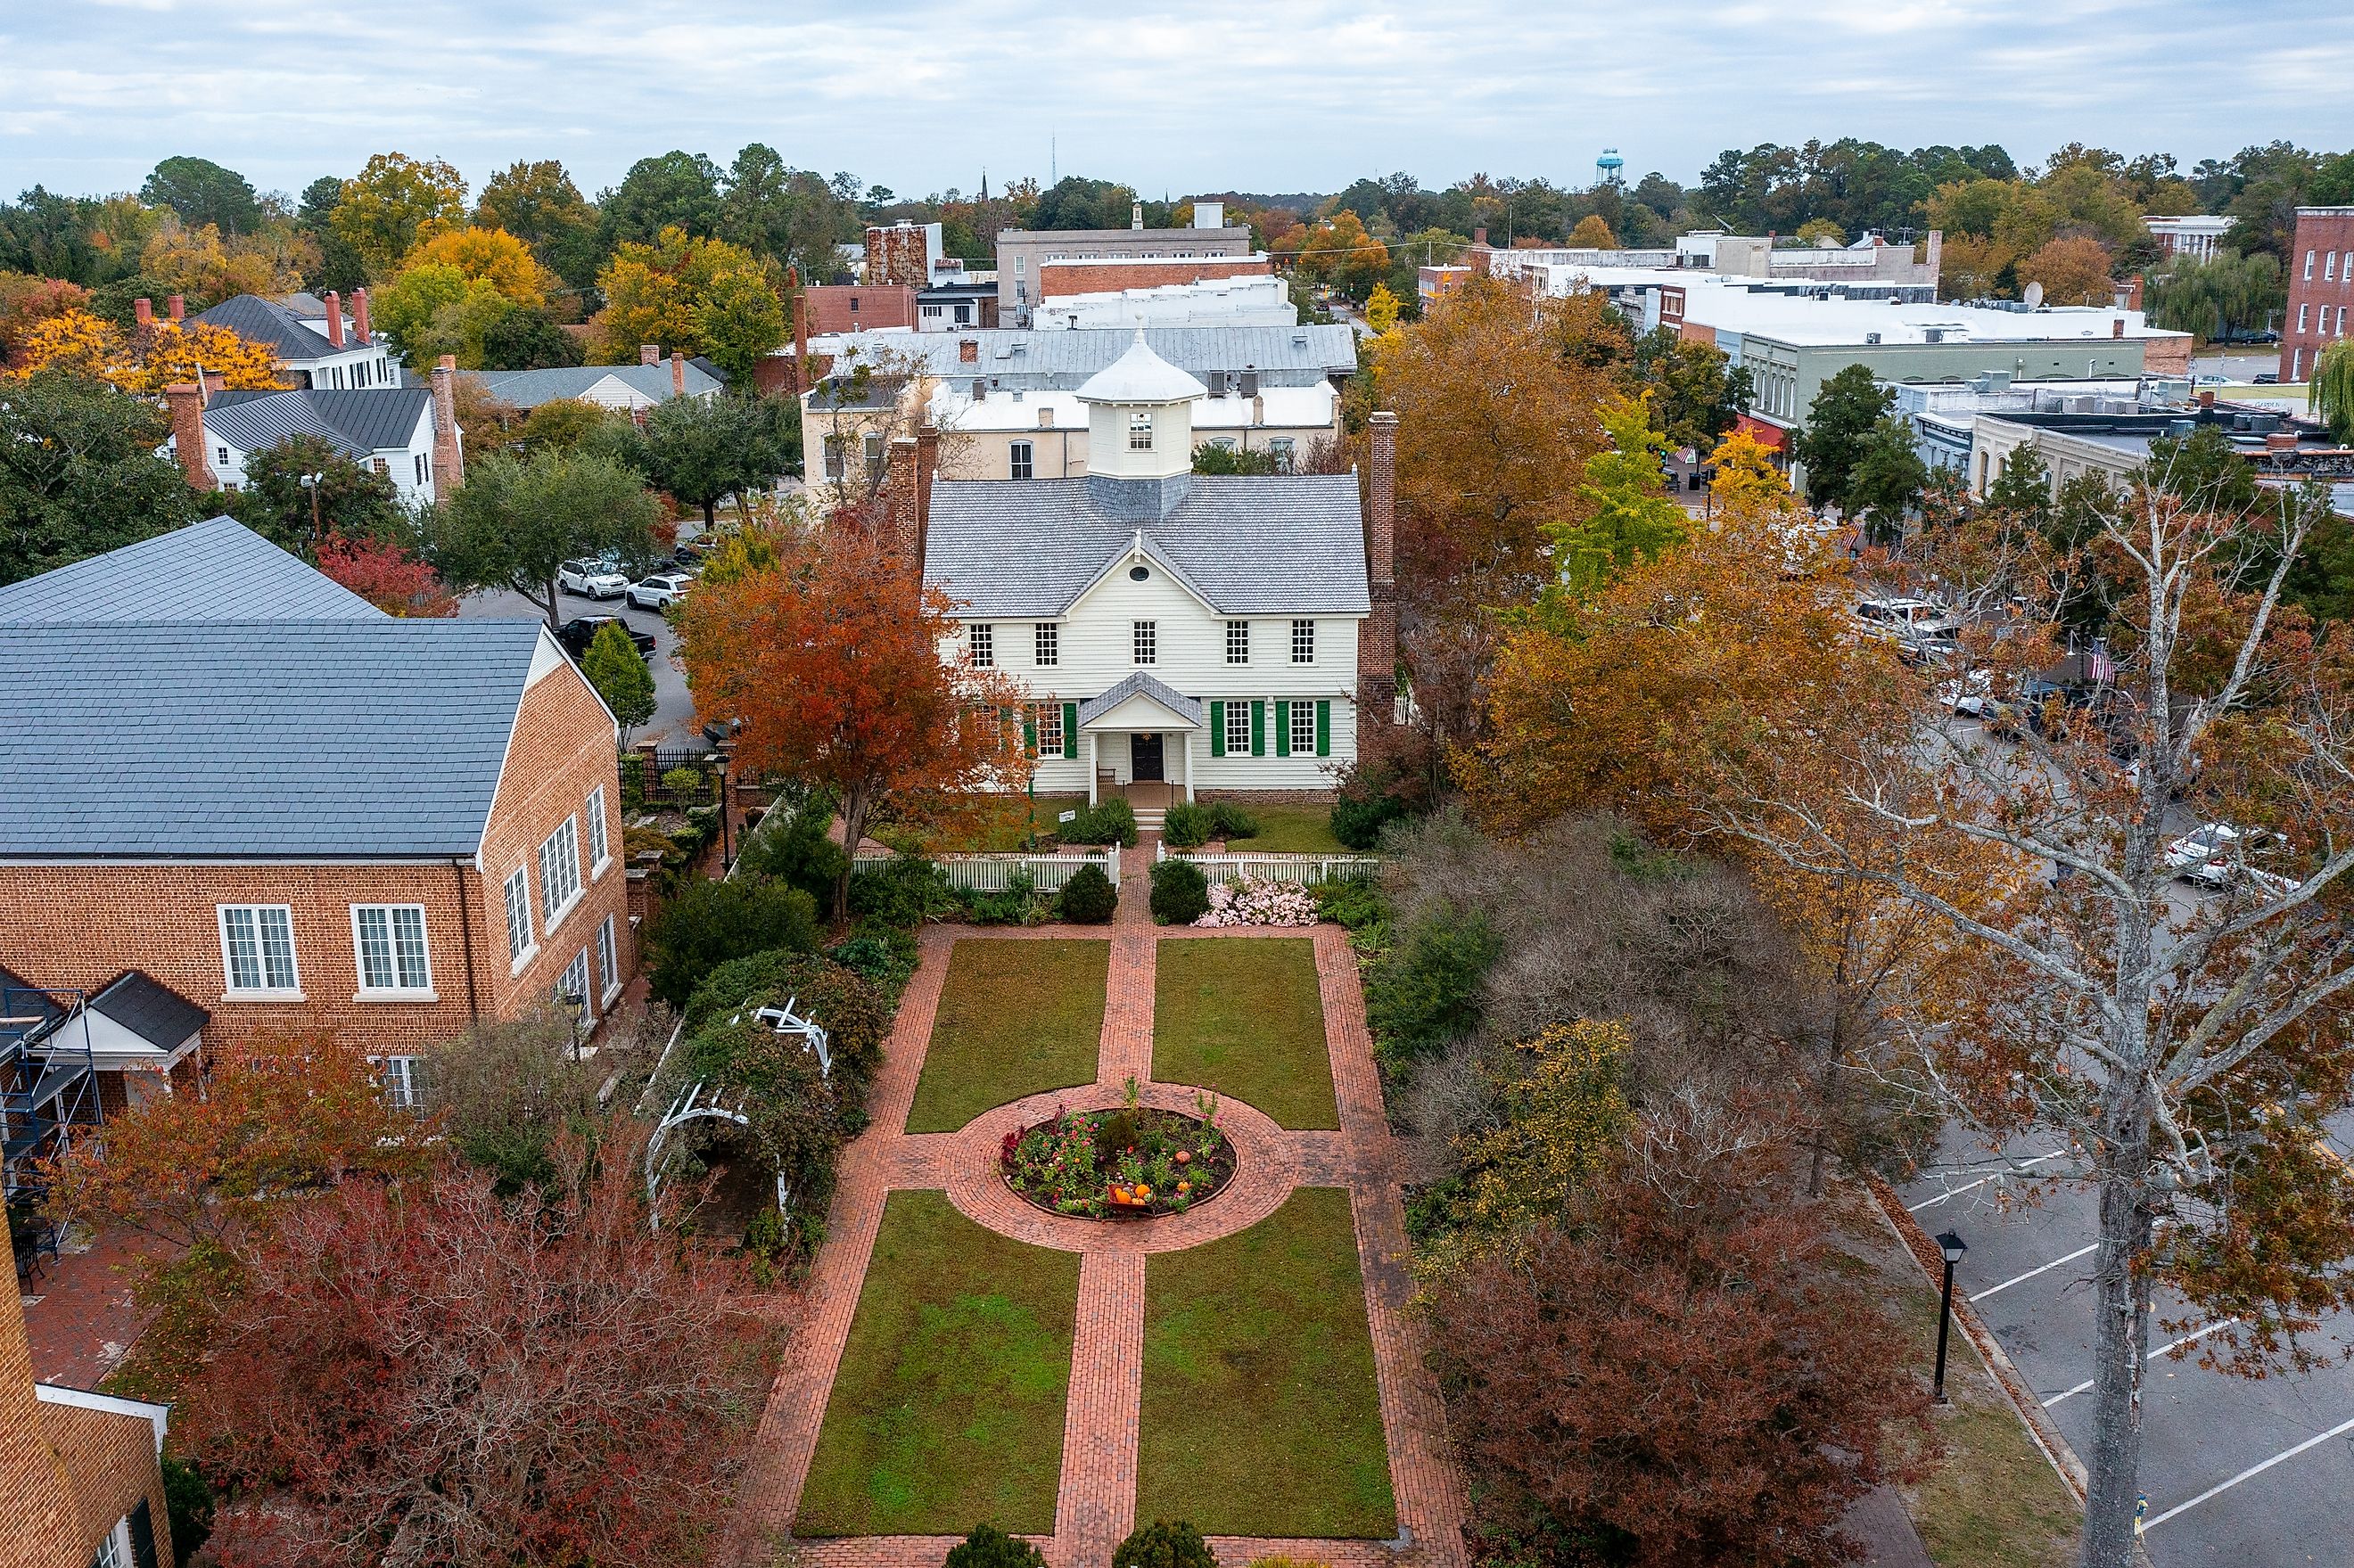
[{"x": 704, "y": 1101}]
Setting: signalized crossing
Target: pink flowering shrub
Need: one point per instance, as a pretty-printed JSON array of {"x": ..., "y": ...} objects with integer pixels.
[{"x": 1249, "y": 902}]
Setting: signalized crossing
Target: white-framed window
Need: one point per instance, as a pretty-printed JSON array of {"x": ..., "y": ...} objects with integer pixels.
[
  {"x": 874, "y": 454},
  {"x": 2308, "y": 265},
  {"x": 2296, "y": 364},
  {"x": 2300, "y": 316},
  {"x": 1046, "y": 643},
  {"x": 518, "y": 897},
  {"x": 608, "y": 959},
  {"x": 1021, "y": 454},
  {"x": 835, "y": 461},
  {"x": 416, "y": 461},
  {"x": 397, "y": 1078},
  {"x": 1303, "y": 642},
  {"x": 1280, "y": 449},
  {"x": 572, "y": 986},
  {"x": 1140, "y": 432},
  {"x": 559, "y": 871},
  {"x": 1148, "y": 641},
  {"x": 594, "y": 813},
  {"x": 1238, "y": 720},
  {"x": 1303, "y": 730},
  {"x": 389, "y": 940},
  {"x": 1047, "y": 720},
  {"x": 258, "y": 949},
  {"x": 983, "y": 641},
  {"x": 1237, "y": 642},
  {"x": 2330, "y": 266},
  {"x": 222, "y": 454}
]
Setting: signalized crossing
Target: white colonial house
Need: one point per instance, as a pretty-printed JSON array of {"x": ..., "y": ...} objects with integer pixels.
[
  {"x": 1179, "y": 634},
  {"x": 389, "y": 429}
]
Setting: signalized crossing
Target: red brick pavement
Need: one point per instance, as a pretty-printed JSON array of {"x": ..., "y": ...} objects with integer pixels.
[
  {"x": 1096, "y": 1502},
  {"x": 80, "y": 1316}
]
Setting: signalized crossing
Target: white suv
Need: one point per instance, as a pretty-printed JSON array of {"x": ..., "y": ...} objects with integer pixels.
[
  {"x": 591, "y": 579},
  {"x": 659, "y": 591}
]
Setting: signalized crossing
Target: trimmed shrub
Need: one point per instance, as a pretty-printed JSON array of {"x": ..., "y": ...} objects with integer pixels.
[
  {"x": 990, "y": 1547},
  {"x": 1161, "y": 1544},
  {"x": 1180, "y": 894},
  {"x": 1089, "y": 899},
  {"x": 1228, "y": 821},
  {"x": 904, "y": 892},
  {"x": 1020, "y": 905},
  {"x": 1186, "y": 826},
  {"x": 711, "y": 922},
  {"x": 795, "y": 849},
  {"x": 1358, "y": 823},
  {"x": 1354, "y": 903},
  {"x": 684, "y": 784},
  {"x": 885, "y": 957},
  {"x": 1111, "y": 822},
  {"x": 1425, "y": 993}
]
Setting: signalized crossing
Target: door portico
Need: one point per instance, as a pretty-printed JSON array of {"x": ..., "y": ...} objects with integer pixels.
[{"x": 1141, "y": 724}]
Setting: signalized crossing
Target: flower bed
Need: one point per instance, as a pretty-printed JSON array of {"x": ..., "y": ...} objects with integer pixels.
[
  {"x": 1120, "y": 1164},
  {"x": 1250, "y": 901}
]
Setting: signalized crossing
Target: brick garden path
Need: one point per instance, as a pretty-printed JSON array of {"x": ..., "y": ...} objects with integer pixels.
[{"x": 1095, "y": 1505}]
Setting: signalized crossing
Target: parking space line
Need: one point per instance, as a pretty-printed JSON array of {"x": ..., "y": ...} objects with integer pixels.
[
  {"x": 1957, "y": 1192},
  {"x": 2020, "y": 1278},
  {"x": 2194, "y": 1334},
  {"x": 2251, "y": 1472}
]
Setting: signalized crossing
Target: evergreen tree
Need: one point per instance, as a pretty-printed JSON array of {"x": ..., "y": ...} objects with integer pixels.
[
  {"x": 620, "y": 677},
  {"x": 1885, "y": 483},
  {"x": 79, "y": 473},
  {"x": 1839, "y": 426}
]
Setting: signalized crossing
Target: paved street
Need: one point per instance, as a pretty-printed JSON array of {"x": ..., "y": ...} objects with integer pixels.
[
  {"x": 673, "y": 719},
  {"x": 2252, "y": 1474},
  {"x": 2238, "y": 366}
]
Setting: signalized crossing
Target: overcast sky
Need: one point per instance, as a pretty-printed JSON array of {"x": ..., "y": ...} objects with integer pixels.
[{"x": 1261, "y": 95}]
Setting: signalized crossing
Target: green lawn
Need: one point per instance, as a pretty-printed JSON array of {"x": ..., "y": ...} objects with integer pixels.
[
  {"x": 947, "y": 1408},
  {"x": 1291, "y": 829},
  {"x": 1015, "y": 1018},
  {"x": 1243, "y": 1018},
  {"x": 1261, "y": 1416}
]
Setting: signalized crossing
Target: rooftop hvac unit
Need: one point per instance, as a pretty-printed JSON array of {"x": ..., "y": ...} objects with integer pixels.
[
  {"x": 1871, "y": 337},
  {"x": 1933, "y": 335},
  {"x": 1250, "y": 383}
]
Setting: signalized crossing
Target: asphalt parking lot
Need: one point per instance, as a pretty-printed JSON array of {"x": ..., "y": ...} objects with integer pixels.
[
  {"x": 2236, "y": 1471},
  {"x": 673, "y": 719}
]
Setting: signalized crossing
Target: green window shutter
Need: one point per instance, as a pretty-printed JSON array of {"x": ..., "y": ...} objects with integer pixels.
[
  {"x": 1030, "y": 732},
  {"x": 1258, "y": 728},
  {"x": 1282, "y": 729},
  {"x": 1323, "y": 728},
  {"x": 1070, "y": 729},
  {"x": 1217, "y": 728}
]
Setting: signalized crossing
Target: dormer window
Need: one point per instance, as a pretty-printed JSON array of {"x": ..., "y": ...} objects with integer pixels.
[{"x": 1140, "y": 432}]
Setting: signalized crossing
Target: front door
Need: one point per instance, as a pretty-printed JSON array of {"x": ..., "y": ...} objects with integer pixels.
[{"x": 1144, "y": 758}]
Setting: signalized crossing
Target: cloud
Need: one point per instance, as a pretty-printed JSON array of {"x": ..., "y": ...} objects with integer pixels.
[{"x": 1301, "y": 94}]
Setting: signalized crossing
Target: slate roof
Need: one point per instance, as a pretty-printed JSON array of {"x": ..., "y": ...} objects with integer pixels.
[
  {"x": 357, "y": 421},
  {"x": 267, "y": 321},
  {"x": 1140, "y": 685},
  {"x": 20, "y": 998},
  {"x": 215, "y": 570},
  {"x": 151, "y": 1010},
  {"x": 1248, "y": 543},
  {"x": 530, "y": 388},
  {"x": 1283, "y": 356},
  {"x": 278, "y": 740}
]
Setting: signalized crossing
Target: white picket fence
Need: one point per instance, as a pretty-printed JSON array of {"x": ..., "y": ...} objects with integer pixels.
[
  {"x": 1307, "y": 869},
  {"x": 995, "y": 873}
]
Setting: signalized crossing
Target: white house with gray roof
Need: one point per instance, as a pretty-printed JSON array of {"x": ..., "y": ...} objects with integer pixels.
[
  {"x": 317, "y": 343},
  {"x": 386, "y": 429},
  {"x": 1179, "y": 634}
]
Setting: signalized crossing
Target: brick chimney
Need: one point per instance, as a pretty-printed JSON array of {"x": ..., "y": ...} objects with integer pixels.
[
  {"x": 178, "y": 305},
  {"x": 142, "y": 313},
  {"x": 1936, "y": 251},
  {"x": 928, "y": 459},
  {"x": 1377, "y": 636},
  {"x": 648, "y": 354},
  {"x": 899, "y": 503},
  {"x": 449, "y": 455},
  {"x": 802, "y": 379},
  {"x": 1477, "y": 255},
  {"x": 359, "y": 315},
  {"x": 186, "y": 401},
  {"x": 335, "y": 303},
  {"x": 968, "y": 351},
  {"x": 677, "y": 374}
]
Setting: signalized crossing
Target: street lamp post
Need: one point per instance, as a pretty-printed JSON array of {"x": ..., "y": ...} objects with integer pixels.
[
  {"x": 1951, "y": 1245},
  {"x": 311, "y": 481}
]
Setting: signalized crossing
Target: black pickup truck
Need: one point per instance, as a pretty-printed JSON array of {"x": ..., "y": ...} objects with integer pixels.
[{"x": 577, "y": 633}]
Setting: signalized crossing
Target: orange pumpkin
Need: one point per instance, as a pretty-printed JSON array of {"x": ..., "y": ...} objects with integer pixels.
[
  {"x": 1184, "y": 1157},
  {"x": 1142, "y": 1193},
  {"x": 1184, "y": 1186}
]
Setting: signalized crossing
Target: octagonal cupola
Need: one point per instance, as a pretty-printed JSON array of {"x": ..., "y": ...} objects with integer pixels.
[{"x": 1141, "y": 416}]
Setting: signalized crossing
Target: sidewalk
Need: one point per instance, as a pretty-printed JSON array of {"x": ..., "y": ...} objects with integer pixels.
[{"x": 79, "y": 1317}]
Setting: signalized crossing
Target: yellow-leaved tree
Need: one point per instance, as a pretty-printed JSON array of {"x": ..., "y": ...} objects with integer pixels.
[
  {"x": 664, "y": 293},
  {"x": 146, "y": 361}
]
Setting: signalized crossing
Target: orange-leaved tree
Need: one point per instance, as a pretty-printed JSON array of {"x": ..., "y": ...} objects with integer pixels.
[
  {"x": 842, "y": 670},
  {"x": 146, "y": 360}
]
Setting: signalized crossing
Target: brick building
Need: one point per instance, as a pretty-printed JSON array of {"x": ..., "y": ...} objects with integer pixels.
[
  {"x": 2321, "y": 287},
  {"x": 858, "y": 307},
  {"x": 80, "y": 1480},
  {"x": 293, "y": 812},
  {"x": 1060, "y": 277}
]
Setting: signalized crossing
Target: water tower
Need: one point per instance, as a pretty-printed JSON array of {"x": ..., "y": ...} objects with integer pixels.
[{"x": 1610, "y": 169}]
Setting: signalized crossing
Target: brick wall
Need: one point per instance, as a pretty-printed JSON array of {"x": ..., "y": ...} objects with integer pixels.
[
  {"x": 1057, "y": 279},
  {"x": 80, "y": 926},
  {"x": 859, "y": 307},
  {"x": 67, "y": 1474},
  {"x": 2321, "y": 305}
]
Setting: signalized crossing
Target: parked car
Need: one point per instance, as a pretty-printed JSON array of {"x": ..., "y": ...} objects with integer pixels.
[
  {"x": 2264, "y": 378},
  {"x": 692, "y": 555},
  {"x": 1969, "y": 694},
  {"x": 2216, "y": 854},
  {"x": 659, "y": 591},
  {"x": 592, "y": 578},
  {"x": 577, "y": 633}
]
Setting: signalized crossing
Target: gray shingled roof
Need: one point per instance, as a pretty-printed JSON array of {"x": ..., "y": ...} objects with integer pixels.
[
  {"x": 268, "y": 323},
  {"x": 1061, "y": 360},
  {"x": 1248, "y": 543},
  {"x": 215, "y": 570},
  {"x": 357, "y": 421},
  {"x": 283, "y": 739},
  {"x": 530, "y": 388},
  {"x": 151, "y": 1010},
  {"x": 1176, "y": 702}
]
